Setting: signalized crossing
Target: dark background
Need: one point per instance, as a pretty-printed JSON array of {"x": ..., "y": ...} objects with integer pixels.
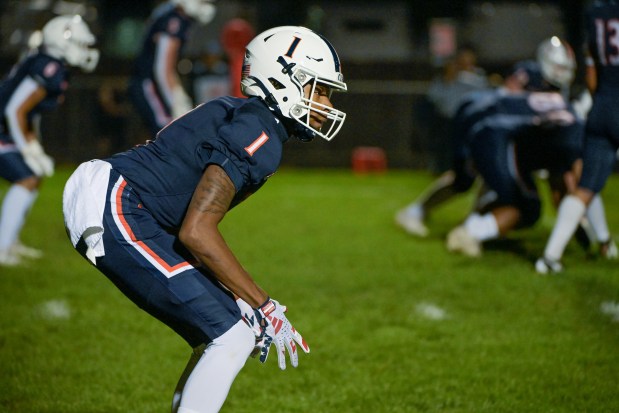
[{"x": 385, "y": 47}]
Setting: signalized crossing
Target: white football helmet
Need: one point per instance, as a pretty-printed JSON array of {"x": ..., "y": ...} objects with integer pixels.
[
  {"x": 280, "y": 62},
  {"x": 201, "y": 10},
  {"x": 68, "y": 37},
  {"x": 557, "y": 62}
]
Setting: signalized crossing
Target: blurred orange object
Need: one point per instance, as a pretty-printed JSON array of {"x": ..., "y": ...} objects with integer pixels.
[
  {"x": 235, "y": 35},
  {"x": 367, "y": 159}
]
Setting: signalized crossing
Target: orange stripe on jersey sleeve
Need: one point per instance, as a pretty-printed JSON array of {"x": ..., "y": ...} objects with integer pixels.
[{"x": 255, "y": 145}]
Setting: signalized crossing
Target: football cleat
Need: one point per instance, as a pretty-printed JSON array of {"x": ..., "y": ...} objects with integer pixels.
[
  {"x": 609, "y": 250},
  {"x": 411, "y": 224},
  {"x": 547, "y": 266},
  {"x": 459, "y": 240},
  {"x": 20, "y": 250},
  {"x": 8, "y": 259}
]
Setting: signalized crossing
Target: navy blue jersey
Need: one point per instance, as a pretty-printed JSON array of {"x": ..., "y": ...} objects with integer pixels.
[
  {"x": 475, "y": 107},
  {"x": 543, "y": 125},
  {"x": 602, "y": 24},
  {"x": 165, "y": 20},
  {"x": 241, "y": 135},
  {"x": 40, "y": 68},
  {"x": 480, "y": 104},
  {"x": 516, "y": 112},
  {"x": 602, "y": 130}
]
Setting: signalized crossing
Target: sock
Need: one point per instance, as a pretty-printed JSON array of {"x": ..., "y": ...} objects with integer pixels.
[
  {"x": 570, "y": 212},
  {"x": 415, "y": 210},
  {"x": 482, "y": 227},
  {"x": 196, "y": 354},
  {"x": 208, "y": 385},
  {"x": 15, "y": 206},
  {"x": 597, "y": 218}
]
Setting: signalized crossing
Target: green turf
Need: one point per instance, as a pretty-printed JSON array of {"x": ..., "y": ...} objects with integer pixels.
[{"x": 324, "y": 243}]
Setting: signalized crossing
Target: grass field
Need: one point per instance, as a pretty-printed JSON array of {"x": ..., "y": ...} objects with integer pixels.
[{"x": 395, "y": 324}]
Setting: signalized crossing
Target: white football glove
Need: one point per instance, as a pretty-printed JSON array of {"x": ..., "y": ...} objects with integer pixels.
[
  {"x": 283, "y": 333},
  {"x": 34, "y": 156},
  {"x": 253, "y": 321},
  {"x": 181, "y": 102}
]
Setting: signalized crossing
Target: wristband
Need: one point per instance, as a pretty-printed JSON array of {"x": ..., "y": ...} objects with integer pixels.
[{"x": 267, "y": 307}]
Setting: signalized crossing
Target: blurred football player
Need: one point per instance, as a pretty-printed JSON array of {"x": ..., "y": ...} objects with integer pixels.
[
  {"x": 148, "y": 218},
  {"x": 36, "y": 83},
  {"x": 155, "y": 87},
  {"x": 601, "y": 136},
  {"x": 526, "y": 132},
  {"x": 475, "y": 106}
]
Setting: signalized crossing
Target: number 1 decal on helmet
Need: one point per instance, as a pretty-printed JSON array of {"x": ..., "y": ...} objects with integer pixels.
[{"x": 292, "y": 47}]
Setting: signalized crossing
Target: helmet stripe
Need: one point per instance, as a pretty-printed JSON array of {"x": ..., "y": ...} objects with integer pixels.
[{"x": 336, "y": 59}]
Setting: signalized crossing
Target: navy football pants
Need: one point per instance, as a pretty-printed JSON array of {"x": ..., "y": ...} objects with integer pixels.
[
  {"x": 601, "y": 142},
  {"x": 150, "y": 266}
]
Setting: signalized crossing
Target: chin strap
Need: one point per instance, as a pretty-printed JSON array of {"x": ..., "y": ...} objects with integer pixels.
[{"x": 302, "y": 133}]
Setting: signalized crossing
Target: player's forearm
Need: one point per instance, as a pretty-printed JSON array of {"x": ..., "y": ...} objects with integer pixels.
[
  {"x": 200, "y": 234},
  {"x": 212, "y": 250}
]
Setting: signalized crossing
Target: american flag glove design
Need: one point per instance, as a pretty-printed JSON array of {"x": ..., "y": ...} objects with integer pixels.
[
  {"x": 283, "y": 333},
  {"x": 253, "y": 320}
]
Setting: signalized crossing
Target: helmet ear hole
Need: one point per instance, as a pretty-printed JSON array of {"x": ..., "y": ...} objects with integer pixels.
[
  {"x": 297, "y": 110},
  {"x": 276, "y": 83}
]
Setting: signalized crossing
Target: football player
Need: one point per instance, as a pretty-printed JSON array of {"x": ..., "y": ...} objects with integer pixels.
[
  {"x": 475, "y": 106},
  {"x": 155, "y": 88},
  {"x": 148, "y": 218},
  {"x": 523, "y": 133},
  {"x": 36, "y": 83},
  {"x": 602, "y": 133}
]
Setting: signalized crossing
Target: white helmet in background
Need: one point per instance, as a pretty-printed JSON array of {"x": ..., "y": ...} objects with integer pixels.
[
  {"x": 280, "y": 62},
  {"x": 557, "y": 62},
  {"x": 68, "y": 37},
  {"x": 201, "y": 10}
]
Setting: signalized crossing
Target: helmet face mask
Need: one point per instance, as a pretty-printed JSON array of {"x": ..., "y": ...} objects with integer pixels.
[
  {"x": 279, "y": 65},
  {"x": 69, "y": 38},
  {"x": 302, "y": 110},
  {"x": 201, "y": 10},
  {"x": 557, "y": 62}
]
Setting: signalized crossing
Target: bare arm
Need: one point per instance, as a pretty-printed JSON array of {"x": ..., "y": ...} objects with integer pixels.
[
  {"x": 591, "y": 79},
  {"x": 200, "y": 234}
]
